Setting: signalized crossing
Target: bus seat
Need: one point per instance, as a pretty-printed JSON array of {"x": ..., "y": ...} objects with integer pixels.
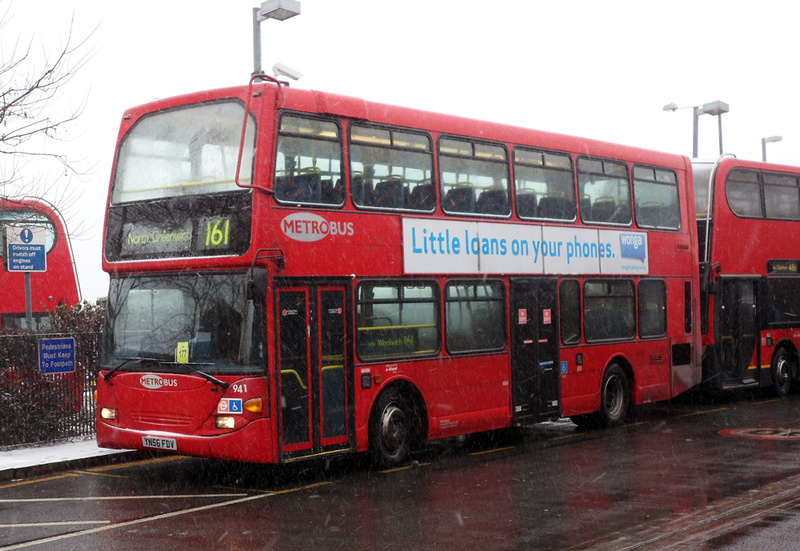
[
  {"x": 586, "y": 207},
  {"x": 388, "y": 194},
  {"x": 422, "y": 197},
  {"x": 526, "y": 203},
  {"x": 281, "y": 186},
  {"x": 493, "y": 201},
  {"x": 460, "y": 198},
  {"x": 555, "y": 207},
  {"x": 301, "y": 188},
  {"x": 603, "y": 209},
  {"x": 338, "y": 192},
  {"x": 326, "y": 192},
  {"x": 361, "y": 191}
]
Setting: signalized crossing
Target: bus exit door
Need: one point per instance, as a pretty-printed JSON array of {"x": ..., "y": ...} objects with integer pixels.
[
  {"x": 738, "y": 330},
  {"x": 535, "y": 370},
  {"x": 312, "y": 370}
]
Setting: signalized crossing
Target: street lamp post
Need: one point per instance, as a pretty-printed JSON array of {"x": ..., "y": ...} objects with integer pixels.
[
  {"x": 713, "y": 108},
  {"x": 764, "y": 142},
  {"x": 271, "y": 9}
]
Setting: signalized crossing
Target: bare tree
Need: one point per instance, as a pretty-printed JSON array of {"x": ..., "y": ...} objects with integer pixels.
[{"x": 30, "y": 86}]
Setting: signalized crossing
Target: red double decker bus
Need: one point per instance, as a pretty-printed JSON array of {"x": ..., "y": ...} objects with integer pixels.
[
  {"x": 57, "y": 285},
  {"x": 747, "y": 212},
  {"x": 379, "y": 276}
]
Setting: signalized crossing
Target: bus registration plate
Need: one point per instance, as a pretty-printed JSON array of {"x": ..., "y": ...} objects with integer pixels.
[{"x": 160, "y": 443}]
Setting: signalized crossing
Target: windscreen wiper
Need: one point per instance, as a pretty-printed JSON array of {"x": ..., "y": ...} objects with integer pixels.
[
  {"x": 113, "y": 370},
  {"x": 203, "y": 374},
  {"x": 156, "y": 361}
]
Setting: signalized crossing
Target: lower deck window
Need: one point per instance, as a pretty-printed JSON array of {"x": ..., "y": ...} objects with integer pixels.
[
  {"x": 475, "y": 316},
  {"x": 652, "y": 308},
  {"x": 397, "y": 320},
  {"x": 609, "y": 310},
  {"x": 570, "y": 298}
]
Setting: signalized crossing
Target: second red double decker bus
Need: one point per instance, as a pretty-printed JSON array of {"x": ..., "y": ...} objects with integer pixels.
[
  {"x": 378, "y": 276},
  {"x": 747, "y": 213},
  {"x": 55, "y": 286}
]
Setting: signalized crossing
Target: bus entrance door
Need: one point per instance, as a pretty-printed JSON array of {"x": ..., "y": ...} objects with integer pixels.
[
  {"x": 535, "y": 371},
  {"x": 738, "y": 330},
  {"x": 312, "y": 370}
]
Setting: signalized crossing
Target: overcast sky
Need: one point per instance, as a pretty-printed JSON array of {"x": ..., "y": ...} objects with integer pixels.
[{"x": 599, "y": 69}]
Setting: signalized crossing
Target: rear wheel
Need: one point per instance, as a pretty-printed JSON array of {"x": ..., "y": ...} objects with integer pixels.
[
  {"x": 394, "y": 428},
  {"x": 615, "y": 396},
  {"x": 782, "y": 372}
]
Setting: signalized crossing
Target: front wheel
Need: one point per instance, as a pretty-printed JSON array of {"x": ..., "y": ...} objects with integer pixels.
[
  {"x": 615, "y": 396},
  {"x": 394, "y": 427},
  {"x": 782, "y": 370}
]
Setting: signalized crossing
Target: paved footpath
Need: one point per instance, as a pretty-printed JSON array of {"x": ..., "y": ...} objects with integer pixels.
[{"x": 35, "y": 461}]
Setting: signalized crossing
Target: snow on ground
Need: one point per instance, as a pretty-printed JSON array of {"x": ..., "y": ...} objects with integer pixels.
[{"x": 45, "y": 455}]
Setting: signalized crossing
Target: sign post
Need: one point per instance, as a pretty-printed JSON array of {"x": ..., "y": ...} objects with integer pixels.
[{"x": 26, "y": 252}]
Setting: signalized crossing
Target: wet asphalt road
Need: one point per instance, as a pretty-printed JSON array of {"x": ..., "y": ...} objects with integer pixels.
[{"x": 716, "y": 473}]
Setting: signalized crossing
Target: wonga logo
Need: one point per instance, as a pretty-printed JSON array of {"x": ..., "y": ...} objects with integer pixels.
[
  {"x": 633, "y": 245},
  {"x": 307, "y": 226}
]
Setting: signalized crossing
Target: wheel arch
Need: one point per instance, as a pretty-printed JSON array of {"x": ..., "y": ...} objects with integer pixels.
[
  {"x": 405, "y": 388},
  {"x": 789, "y": 345},
  {"x": 627, "y": 368},
  {"x": 794, "y": 374}
]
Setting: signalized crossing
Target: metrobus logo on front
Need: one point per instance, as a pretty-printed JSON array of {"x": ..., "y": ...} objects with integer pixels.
[
  {"x": 307, "y": 226},
  {"x": 154, "y": 382}
]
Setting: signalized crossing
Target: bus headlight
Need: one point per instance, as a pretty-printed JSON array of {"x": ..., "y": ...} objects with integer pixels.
[
  {"x": 108, "y": 414},
  {"x": 226, "y": 422}
]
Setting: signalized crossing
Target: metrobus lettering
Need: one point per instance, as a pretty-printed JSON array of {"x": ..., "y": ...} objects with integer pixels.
[
  {"x": 307, "y": 226},
  {"x": 154, "y": 382}
]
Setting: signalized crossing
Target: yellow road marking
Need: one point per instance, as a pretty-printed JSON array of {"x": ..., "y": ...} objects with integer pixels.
[{"x": 36, "y": 480}]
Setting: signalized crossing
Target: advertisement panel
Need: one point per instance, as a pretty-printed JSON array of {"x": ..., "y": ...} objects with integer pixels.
[{"x": 452, "y": 246}]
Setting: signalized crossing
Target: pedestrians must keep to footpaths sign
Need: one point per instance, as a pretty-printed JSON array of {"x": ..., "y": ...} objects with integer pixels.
[
  {"x": 57, "y": 355},
  {"x": 26, "y": 249}
]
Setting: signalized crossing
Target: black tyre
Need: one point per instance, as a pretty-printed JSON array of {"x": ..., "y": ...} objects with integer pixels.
[
  {"x": 394, "y": 428},
  {"x": 782, "y": 371},
  {"x": 615, "y": 396}
]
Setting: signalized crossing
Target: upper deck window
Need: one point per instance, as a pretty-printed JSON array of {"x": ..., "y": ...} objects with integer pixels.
[
  {"x": 756, "y": 194},
  {"x": 308, "y": 166},
  {"x": 605, "y": 191},
  {"x": 545, "y": 185},
  {"x": 655, "y": 192},
  {"x": 781, "y": 196},
  {"x": 189, "y": 150},
  {"x": 743, "y": 192},
  {"x": 391, "y": 169},
  {"x": 474, "y": 178}
]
